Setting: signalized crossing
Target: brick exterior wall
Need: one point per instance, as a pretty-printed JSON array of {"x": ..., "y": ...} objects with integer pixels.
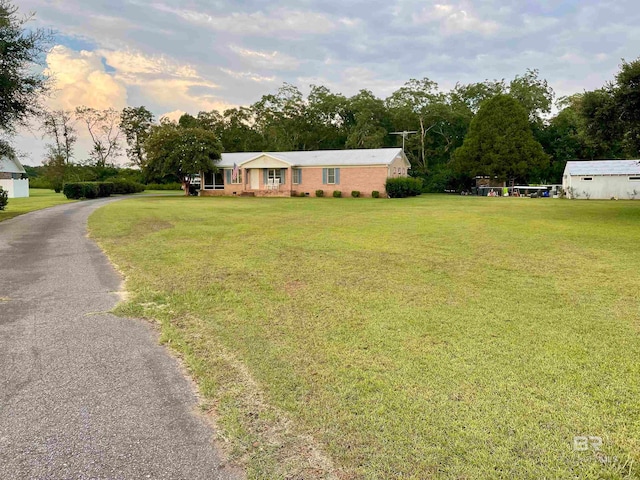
[{"x": 363, "y": 179}]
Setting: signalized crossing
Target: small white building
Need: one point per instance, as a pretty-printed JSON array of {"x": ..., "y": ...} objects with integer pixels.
[
  {"x": 11, "y": 177},
  {"x": 602, "y": 179}
]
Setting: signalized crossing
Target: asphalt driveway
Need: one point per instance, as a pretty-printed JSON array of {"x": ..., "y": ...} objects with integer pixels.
[{"x": 85, "y": 394}]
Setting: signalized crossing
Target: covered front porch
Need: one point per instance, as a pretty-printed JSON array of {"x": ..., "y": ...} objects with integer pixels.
[{"x": 263, "y": 176}]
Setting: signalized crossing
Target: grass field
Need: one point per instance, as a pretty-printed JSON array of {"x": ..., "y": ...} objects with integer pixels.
[
  {"x": 38, "y": 199},
  {"x": 435, "y": 337}
]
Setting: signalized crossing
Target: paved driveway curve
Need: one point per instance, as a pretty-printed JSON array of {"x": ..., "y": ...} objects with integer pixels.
[{"x": 85, "y": 394}]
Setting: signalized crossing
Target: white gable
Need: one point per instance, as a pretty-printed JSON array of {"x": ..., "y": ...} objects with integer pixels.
[{"x": 264, "y": 161}]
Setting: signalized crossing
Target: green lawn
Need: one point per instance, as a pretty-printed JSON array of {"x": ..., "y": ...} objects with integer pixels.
[
  {"x": 435, "y": 337},
  {"x": 38, "y": 199},
  {"x": 161, "y": 192}
]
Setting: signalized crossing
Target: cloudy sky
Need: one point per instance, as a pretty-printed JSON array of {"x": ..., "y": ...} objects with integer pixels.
[{"x": 192, "y": 55}]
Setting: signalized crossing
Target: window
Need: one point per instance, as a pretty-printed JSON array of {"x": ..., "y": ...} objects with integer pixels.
[
  {"x": 394, "y": 170},
  {"x": 238, "y": 179},
  {"x": 213, "y": 181},
  {"x": 331, "y": 175},
  {"x": 275, "y": 174},
  {"x": 587, "y": 179},
  {"x": 297, "y": 176}
]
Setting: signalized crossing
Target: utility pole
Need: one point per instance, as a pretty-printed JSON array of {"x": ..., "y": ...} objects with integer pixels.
[{"x": 405, "y": 134}]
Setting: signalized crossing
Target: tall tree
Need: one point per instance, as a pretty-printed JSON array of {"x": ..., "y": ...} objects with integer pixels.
[
  {"x": 181, "y": 152},
  {"x": 327, "y": 119},
  {"x": 281, "y": 119},
  {"x": 212, "y": 121},
  {"x": 563, "y": 139},
  {"x": 135, "y": 123},
  {"x": 414, "y": 103},
  {"x": 627, "y": 95},
  {"x": 104, "y": 129},
  {"x": 238, "y": 134},
  {"x": 59, "y": 126},
  {"x": 55, "y": 170},
  {"x": 533, "y": 93},
  {"x": 21, "y": 89},
  {"x": 500, "y": 142},
  {"x": 473, "y": 95},
  {"x": 603, "y": 128},
  {"x": 368, "y": 121}
]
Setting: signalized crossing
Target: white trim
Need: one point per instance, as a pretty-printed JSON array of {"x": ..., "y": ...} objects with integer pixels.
[
  {"x": 334, "y": 175},
  {"x": 272, "y": 157}
]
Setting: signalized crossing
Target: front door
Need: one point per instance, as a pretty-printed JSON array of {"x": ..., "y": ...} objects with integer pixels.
[{"x": 254, "y": 175}]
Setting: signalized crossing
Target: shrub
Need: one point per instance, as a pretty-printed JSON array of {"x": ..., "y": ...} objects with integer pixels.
[
  {"x": 125, "y": 187},
  {"x": 78, "y": 190},
  {"x": 4, "y": 198},
  {"x": 355, "y": 194},
  {"x": 375, "y": 194},
  {"x": 73, "y": 191},
  {"x": 163, "y": 186},
  {"x": 401, "y": 187},
  {"x": 302, "y": 194},
  {"x": 90, "y": 190},
  {"x": 319, "y": 193},
  {"x": 104, "y": 189},
  {"x": 337, "y": 194}
]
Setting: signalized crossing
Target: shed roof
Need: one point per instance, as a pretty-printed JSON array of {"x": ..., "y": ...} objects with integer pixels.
[
  {"x": 10, "y": 165},
  {"x": 603, "y": 167},
  {"x": 358, "y": 157}
]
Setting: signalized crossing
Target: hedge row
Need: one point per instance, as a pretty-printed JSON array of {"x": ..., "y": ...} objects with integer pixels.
[
  {"x": 78, "y": 190},
  {"x": 400, "y": 187},
  {"x": 124, "y": 187}
]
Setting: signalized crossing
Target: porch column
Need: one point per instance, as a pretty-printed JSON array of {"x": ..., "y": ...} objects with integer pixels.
[
  {"x": 244, "y": 179},
  {"x": 290, "y": 179}
]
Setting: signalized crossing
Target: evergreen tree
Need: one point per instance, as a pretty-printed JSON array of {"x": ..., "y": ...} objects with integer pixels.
[{"x": 500, "y": 142}]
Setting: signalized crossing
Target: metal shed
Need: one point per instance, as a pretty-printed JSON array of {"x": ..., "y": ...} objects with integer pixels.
[{"x": 602, "y": 179}]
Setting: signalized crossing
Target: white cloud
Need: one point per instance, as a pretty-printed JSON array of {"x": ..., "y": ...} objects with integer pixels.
[
  {"x": 254, "y": 77},
  {"x": 129, "y": 62},
  {"x": 173, "y": 116},
  {"x": 269, "y": 60},
  {"x": 454, "y": 19},
  {"x": 281, "y": 21},
  {"x": 81, "y": 79},
  {"x": 165, "y": 83}
]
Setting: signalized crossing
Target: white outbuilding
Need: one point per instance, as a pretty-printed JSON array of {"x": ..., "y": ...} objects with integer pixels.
[
  {"x": 13, "y": 177},
  {"x": 602, "y": 179}
]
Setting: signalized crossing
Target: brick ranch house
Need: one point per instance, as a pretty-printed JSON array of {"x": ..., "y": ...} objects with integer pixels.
[{"x": 284, "y": 174}]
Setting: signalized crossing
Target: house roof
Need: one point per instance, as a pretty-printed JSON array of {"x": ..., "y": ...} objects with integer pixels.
[
  {"x": 603, "y": 167},
  {"x": 315, "y": 158},
  {"x": 10, "y": 165}
]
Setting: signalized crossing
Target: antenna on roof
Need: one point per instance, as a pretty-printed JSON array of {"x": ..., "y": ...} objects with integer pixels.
[{"x": 405, "y": 134}]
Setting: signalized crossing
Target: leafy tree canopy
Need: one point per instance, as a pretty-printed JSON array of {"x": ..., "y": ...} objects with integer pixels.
[
  {"x": 20, "y": 88},
  {"x": 181, "y": 152},
  {"x": 135, "y": 123}
]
